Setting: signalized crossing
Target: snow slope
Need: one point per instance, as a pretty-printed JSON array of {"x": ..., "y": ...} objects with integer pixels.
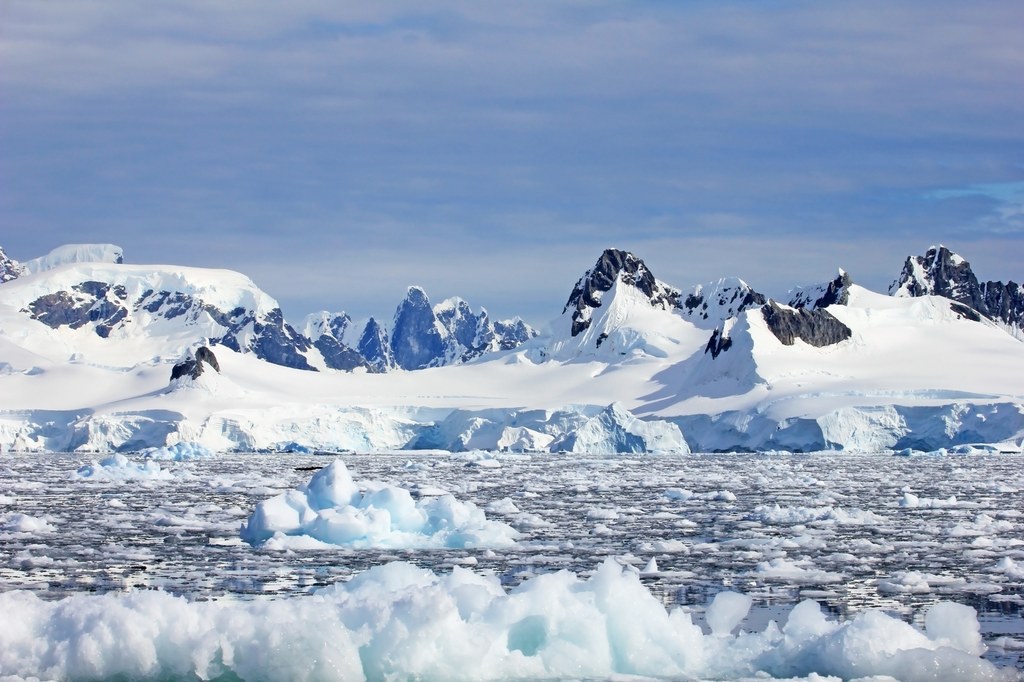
[{"x": 909, "y": 372}]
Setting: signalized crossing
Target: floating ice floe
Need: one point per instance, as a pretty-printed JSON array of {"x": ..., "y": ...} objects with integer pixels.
[
  {"x": 801, "y": 570},
  {"x": 911, "y": 501},
  {"x": 23, "y": 523},
  {"x": 179, "y": 452},
  {"x": 120, "y": 468},
  {"x": 917, "y": 582},
  {"x": 398, "y": 621},
  {"x": 332, "y": 510}
]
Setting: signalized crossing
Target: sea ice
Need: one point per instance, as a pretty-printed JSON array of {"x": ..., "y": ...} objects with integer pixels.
[{"x": 119, "y": 468}]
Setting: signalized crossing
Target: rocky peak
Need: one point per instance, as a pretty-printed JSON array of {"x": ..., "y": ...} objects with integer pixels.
[
  {"x": 834, "y": 292},
  {"x": 375, "y": 345},
  {"x": 326, "y": 331},
  {"x": 325, "y": 323},
  {"x": 614, "y": 266},
  {"x": 512, "y": 333},
  {"x": 708, "y": 305},
  {"x": 9, "y": 268},
  {"x": 469, "y": 329},
  {"x": 941, "y": 272},
  {"x": 416, "y": 336}
]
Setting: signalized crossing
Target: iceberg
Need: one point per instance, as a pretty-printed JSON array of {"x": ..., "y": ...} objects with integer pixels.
[{"x": 332, "y": 509}]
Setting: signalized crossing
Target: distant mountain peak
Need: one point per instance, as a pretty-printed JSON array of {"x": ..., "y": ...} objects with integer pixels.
[
  {"x": 449, "y": 332},
  {"x": 9, "y": 268},
  {"x": 833, "y": 292},
  {"x": 75, "y": 253},
  {"x": 613, "y": 266},
  {"x": 708, "y": 305}
]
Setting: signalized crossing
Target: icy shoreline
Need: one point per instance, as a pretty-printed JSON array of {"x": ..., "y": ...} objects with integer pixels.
[{"x": 580, "y": 429}]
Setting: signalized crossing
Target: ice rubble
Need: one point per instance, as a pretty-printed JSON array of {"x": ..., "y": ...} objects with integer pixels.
[
  {"x": 401, "y": 621},
  {"x": 332, "y": 510}
]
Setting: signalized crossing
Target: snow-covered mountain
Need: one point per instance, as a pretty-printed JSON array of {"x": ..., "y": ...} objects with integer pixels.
[
  {"x": 86, "y": 288},
  {"x": 940, "y": 272},
  {"x": 122, "y": 315},
  {"x": 87, "y": 351}
]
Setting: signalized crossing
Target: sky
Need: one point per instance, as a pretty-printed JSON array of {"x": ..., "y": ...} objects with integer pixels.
[{"x": 338, "y": 152}]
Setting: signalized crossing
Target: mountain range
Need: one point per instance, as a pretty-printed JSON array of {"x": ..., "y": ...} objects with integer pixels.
[{"x": 89, "y": 344}]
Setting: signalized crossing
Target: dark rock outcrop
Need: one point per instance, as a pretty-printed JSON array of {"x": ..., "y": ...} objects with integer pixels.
[
  {"x": 339, "y": 356},
  {"x": 816, "y": 327},
  {"x": 718, "y": 343},
  {"x": 107, "y": 307},
  {"x": 1005, "y": 302},
  {"x": 941, "y": 272},
  {"x": 97, "y": 303},
  {"x": 194, "y": 366},
  {"x": 612, "y": 266}
]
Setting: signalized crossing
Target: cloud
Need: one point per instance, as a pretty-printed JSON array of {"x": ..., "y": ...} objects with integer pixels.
[
  {"x": 1002, "y": 205},
  {"x": 405, "y": 143}
]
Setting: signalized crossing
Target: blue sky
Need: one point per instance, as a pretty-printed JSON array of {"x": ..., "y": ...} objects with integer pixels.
[{"x": 338, "y": 152}]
